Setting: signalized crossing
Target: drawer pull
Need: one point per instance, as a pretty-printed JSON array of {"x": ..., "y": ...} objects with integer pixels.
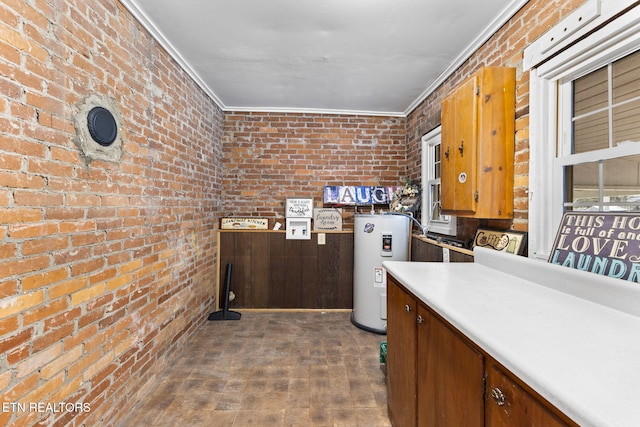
[
  {"x": 420, "y": 320},
  {"x": 498, "y": 396},
  {"x": 407, "y": 308}
]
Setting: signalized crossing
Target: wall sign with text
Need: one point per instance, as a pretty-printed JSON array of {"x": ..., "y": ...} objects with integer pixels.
[
  {"x": 358, "y": 195},
  {"x": 299, "y": 207},
  {"x": 604, "y": 243},
  {"x": 327, "y": 219},
  {"x": 513, "y": 242},
  {"x": 244, "y": 223}
]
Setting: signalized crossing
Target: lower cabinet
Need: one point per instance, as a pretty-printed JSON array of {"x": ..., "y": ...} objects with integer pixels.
[
  {"x": 508, "y": 404},
  {"x": 401, "y": 362},
  {"x": 450, "y": 376},
  {"x": 438, "y": 377}
]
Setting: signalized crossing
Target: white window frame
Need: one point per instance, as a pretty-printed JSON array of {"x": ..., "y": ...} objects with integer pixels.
[
  {"x": 447, "y": 227},
  {"x": 550, "y": 104}
]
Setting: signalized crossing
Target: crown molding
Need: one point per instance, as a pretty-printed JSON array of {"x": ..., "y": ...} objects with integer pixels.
[{"x": 315, "y": 111}]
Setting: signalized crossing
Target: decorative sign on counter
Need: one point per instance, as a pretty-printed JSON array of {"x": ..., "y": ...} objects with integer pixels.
[
  {"x": 244, "y": 223},
  {"x": 298, "y": 207},
  {"x": 509, "y": 241},
  {"x": 327, "y": 219},
  {"x": 604, "y": 243},
  {"x": 358, "y": 195}
]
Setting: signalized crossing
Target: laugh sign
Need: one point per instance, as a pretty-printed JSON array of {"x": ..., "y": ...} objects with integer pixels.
[{"x": 599, "y": 242}]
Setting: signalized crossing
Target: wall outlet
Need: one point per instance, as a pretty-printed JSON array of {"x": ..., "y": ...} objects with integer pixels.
[{"x": 322, "y": 238}]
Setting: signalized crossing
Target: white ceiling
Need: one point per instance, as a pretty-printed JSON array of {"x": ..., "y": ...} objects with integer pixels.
[{"x": 347, "y": 56}]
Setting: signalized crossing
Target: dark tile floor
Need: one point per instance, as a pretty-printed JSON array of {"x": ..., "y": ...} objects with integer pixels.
[{"x": 272, "y": 369}]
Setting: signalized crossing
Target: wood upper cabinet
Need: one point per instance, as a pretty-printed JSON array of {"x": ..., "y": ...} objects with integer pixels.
[
  {"x": 459, "y": 145},
  {"x": 478, "y": 134}
]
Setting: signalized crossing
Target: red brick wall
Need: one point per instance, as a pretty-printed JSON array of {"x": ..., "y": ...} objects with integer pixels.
[
  {"x": 271, "y": 156},
  {"x": 106, "y": 268}
]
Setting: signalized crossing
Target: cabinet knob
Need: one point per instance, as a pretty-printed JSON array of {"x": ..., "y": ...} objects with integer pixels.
[
  {"x": 420, "y": 320},
  {"x": 498, "y": 396},
  {"x": 407, "y": 308}
]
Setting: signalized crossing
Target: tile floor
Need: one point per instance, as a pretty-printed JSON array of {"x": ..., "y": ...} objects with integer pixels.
[{"x": 272, "y": 369}]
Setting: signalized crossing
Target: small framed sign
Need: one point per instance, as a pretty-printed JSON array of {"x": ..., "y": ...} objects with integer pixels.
[
  {"x": 327, "y": 219},
  {"x": 299, "y": 207},
  {"x": 244, "y": 223},
  {"x": 509, "y": 241}
]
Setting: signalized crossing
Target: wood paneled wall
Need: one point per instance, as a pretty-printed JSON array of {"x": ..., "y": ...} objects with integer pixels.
[{"x": 270, "y": 271}]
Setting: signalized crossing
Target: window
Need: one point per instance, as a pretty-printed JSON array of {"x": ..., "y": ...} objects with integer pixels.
[
  {"x": 584, "y": 122},
  {"x": 432, "y": 218},
  {"x": 605, "y": 115}
]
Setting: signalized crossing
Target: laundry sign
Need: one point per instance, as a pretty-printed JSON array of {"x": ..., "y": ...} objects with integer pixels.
[
  {"x": 599, "y": 242},
  {"x": 327, "y": 219}
]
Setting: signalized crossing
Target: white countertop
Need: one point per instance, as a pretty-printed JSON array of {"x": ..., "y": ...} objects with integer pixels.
[{"x": 573, "y": 336}]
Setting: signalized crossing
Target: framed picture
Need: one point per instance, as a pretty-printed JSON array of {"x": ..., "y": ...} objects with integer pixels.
[
  {"x": 327, "y": 219},
  {"x": 244, "y": 223},
  {"x": 513, "y": 242},
  {"x": 299, "y": 207}
]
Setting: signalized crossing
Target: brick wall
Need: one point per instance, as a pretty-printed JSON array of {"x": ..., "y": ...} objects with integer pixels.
[
  {"x": 105, "y": 268},
  {"x": 271, "y": 156},
  {"x": 505, "y": 48}
]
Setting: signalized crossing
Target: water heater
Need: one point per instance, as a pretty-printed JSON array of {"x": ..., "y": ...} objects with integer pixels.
[{"x": 376, "y": 238}]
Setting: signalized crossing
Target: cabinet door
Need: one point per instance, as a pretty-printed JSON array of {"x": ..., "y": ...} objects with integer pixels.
[
  {"x": 450, "y": 376},
  {"x": 447, "y": 167},
  {"x": 510, "y": 405},
  {"x": 401, "y": 356},
  {"x": 459, "y": 142}
]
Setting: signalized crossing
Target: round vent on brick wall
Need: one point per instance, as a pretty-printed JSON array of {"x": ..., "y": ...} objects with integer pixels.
[
  {"x": 98, "y": 124},
  {"x": 102, "y": 126}
]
